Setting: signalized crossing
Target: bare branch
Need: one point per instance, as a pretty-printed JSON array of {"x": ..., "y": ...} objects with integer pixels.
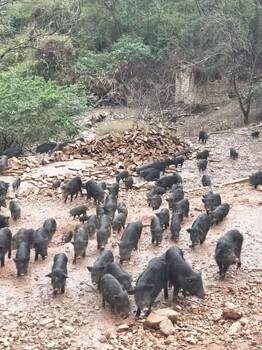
[{"x": 26, "y": 43}]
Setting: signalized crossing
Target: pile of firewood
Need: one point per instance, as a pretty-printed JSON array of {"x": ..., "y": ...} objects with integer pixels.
[
  {"x": 131, "y": 148},
  {"x": 127, "y": 150}
]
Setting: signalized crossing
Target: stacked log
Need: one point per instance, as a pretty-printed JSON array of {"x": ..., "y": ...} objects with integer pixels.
[
  {"x": 131, "y": 148},
  {"x": 127, "y": 150}
]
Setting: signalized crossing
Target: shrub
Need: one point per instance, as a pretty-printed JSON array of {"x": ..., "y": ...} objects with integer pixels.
[{"x": 33, "y": 110}]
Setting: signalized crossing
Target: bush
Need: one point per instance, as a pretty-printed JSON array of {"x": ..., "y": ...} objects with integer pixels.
[
  {"x": 55, "y": 60},
  {"x": 124, "y": 51},
  {"x": 33, "y": 110}
]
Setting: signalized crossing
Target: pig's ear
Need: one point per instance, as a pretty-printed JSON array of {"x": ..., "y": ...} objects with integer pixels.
[
  {"x": 131, "y": 291},
  {"x": 148, "y": 286},
  {"x": 49, "y": 275}
]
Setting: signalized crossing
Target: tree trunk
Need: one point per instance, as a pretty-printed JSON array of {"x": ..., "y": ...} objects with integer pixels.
[{"x": 246, "y": 115}]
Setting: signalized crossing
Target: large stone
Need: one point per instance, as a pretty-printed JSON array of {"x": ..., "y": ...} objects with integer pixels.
[
  {"x": 153, "y": 320},
  {"x": 169, "y": 313},
  {"x": 166, "y": 327},
  {"x": 156, "y": 316}
]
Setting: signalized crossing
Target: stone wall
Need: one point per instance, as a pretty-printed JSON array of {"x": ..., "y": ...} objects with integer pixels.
[{"x": 189, "y": 92}]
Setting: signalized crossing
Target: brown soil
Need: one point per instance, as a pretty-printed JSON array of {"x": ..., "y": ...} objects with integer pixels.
[{"x": 31, "y": 318}]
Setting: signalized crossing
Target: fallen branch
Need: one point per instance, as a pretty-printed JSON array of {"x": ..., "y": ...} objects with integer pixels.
[
  {"x": 238, "y": 181},
  {"x": 234, "y": 182},
  {"x": 185, "y": 151}
]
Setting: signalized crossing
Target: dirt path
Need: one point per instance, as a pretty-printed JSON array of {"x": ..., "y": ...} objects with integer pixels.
[{"x": 31, "y": 318}]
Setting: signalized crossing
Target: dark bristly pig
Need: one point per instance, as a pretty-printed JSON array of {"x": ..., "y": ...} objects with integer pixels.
[
  {"x": 181, "y": 276},
  {"x": 58, "y": 274},
  {"x": 114, "y": 295},
  {"x": 228, "y": 251}
]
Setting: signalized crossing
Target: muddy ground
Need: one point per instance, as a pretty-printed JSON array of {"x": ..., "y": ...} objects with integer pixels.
[{"x": 31, "y": 318}]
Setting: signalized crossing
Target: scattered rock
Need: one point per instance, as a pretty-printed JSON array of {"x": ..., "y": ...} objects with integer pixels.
[
  {"x": 122, "y": 328},
  {"x": 244, "y": 321},
  {"x": 259, "y": 188},
  {"x": 156, "y": 316},
  {"x": 191, "y": 339},
  {"x": 171, "y": 339},
  {"x": 166, "y": 327},
  {"x": 234, "y": 328},
  {"x": 103, "y": 339},
  {"x": 50, "y": 345},
  {"x": 169, "y": 313},
  {"x": 46, "y": 321},
  {"x": 230, "y": 313},
  {"x": 68, "y": 329}
]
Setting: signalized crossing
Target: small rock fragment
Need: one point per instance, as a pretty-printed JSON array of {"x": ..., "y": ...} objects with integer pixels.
[
  {"x": 231, "y": 313},
  {"x": 103, "y": 339},
  {"x": 46, "y": 321},
  {"x": 171, "y": 339},
  {"x": 234, "y": 328},
  {"x": 191, "y": 340},
  {"x": 50, "y": 345},
  {"x": 122, "y": 328},
  {"x": 243, "y": 321},
  {"x": 68, "y": 329}
]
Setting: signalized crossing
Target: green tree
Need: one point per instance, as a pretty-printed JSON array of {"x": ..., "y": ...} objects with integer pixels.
[
  {"x": 227, "y": 36},
  {"x": 33, "y": 110}
]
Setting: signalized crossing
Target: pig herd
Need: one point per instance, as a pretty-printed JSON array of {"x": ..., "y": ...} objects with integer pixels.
[{"x": 115, "y": 285}]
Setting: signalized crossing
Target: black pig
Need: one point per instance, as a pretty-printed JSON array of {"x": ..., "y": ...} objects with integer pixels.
[
  {"x": 181, "y": 276},
  {"x": 199, "y": 229},
  {"x": 59, "y": 273},
  {"x": 129, "y": 240},
  {"x": 71, "y": 188},
  {"x": 97, "y": 270},
  {"x": 80, "y": 241},
  {"x": 149, "y": 285},
  {"x": 113, "y": 293},
  {"x": 156, "y": 230},
  {"x": 22, "y": 258},
  {"x": 202, "y": 136},
  {"x": 164, "y": 217},
  {"x": 228, "y": 251},
  {"x": 5, "y": 244}
]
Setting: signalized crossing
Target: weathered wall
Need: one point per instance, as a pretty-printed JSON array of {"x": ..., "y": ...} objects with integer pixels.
[{"x": 188, "y": 92}]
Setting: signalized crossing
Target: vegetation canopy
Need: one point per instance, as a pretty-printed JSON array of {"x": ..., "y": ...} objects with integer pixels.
[{"x": 33, "y": 110}]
